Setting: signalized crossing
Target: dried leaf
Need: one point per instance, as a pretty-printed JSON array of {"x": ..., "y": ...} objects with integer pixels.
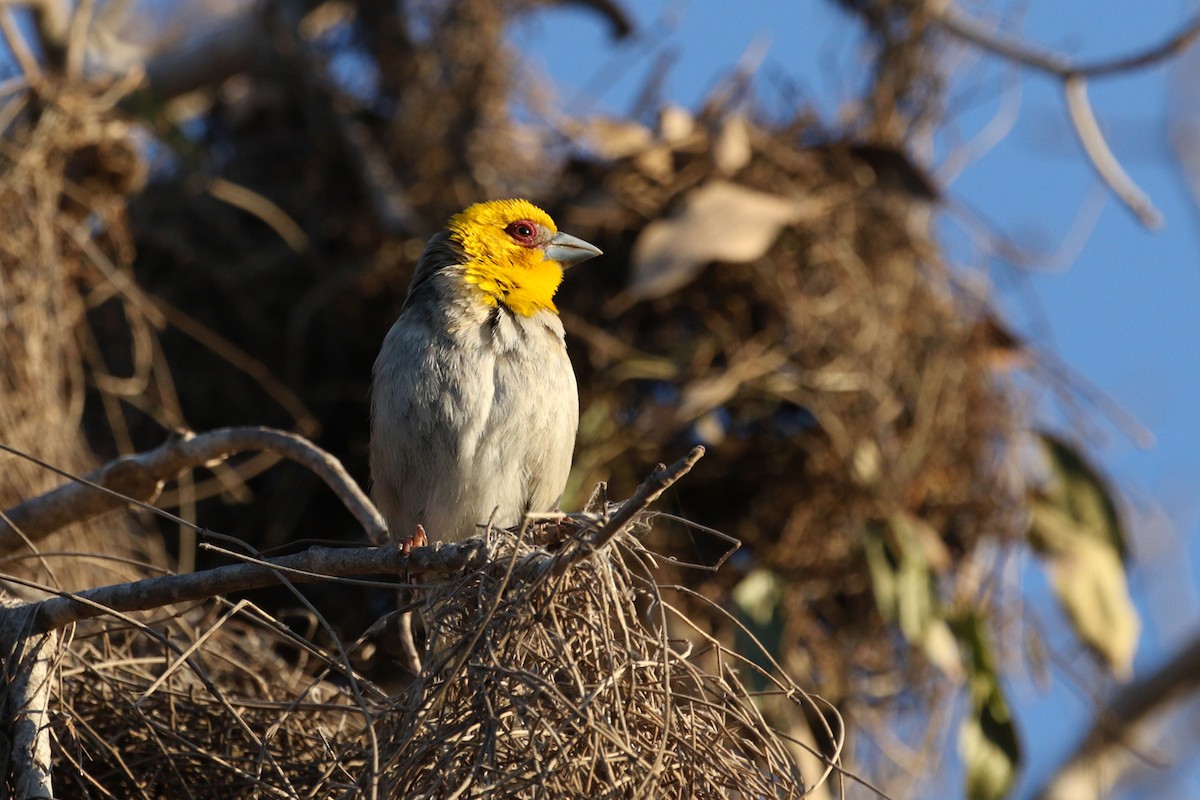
[
  {"x": 731, "y": 147},
  {"x": 675, "y": 124},
  {"x": 720, "y": 221},
  {"x": 1089, "y": 579},
  {"x": 1074, "y": 524},
  {"x": 657, "y": 162}
]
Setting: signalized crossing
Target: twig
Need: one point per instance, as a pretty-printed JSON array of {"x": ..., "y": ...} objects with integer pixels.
[
  {"x": 19, "y": 46},
  {"x": 1116, "y": 725},
  {"x": 1056, "y": 64},
  {"x": 137, "y": 479},
  {"x": 27, "y": 659},
  {"x": 77, "y": 34},
  {"x": 1074, "y": 79},
  {"x": 1079, "y": 108},
  {"x": 259, "y": 206},
  {"x": 386, "y": 195},
  {"x": 646, "y": 494},
  {"x": 239, "y": 359}
]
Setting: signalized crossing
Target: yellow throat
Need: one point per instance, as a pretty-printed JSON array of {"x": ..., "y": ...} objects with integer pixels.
[{"x": 507, "y": 272}]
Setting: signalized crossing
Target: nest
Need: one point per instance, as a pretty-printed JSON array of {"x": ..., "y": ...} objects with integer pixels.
[
  {"x": 549, "y": 685},
  {"x": 202, "y": 704},
  {"x": 547, "y": 674}
]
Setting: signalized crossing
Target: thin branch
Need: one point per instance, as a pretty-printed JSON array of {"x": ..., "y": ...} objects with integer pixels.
[
  {"x": 137, "y": 479},
  {"x": 1079, "y": 108},
  {"x": 306, "y": 422},
  {"x": 18, "y": 45},
  {"x": 259, "y": 206},
  {"x": 314, "y": 565},
  {"x": 1117, "y": 724},
  {"x": 1056, "y": 64},
  {"x": 1074, "y": 77}
]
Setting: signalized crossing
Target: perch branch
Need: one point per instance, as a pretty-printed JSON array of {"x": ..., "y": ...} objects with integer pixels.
[
  {"x": 312, "y": 566},
  {"x": 137, "y": 479},
  {"x": 1074, "y": 78},
  {"x": 318, "y": 564}
]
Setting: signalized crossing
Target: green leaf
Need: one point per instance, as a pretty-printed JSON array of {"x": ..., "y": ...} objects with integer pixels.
[
  {"x": 901, "y": 576},
  {"x": 1074, "y": 524},
  {"x": 757, "y": 596},
  {"x": 987, "y": 738},
  {"x": 987, "y": 744},
  {"x": 1076, "y": 500}
]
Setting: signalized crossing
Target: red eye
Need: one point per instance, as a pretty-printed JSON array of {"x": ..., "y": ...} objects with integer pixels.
[{"x": 524, "y": 231}]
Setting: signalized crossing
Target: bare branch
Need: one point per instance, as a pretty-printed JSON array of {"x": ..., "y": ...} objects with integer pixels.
[
  {"x": 1074, "y": 78},
  {"x": 138, "y": 479},
  {"x": 1079, "y": 108},
  {"x": 1104, "y": 752},
  {"x": 1056, "y": 64},
  {"x": 19, "y": 46},
  {"x": 27, "y": 659},
  {"x": 312, "y": 566},
  {"x": 259, "y": 206},
  {"x": 321, "y": 563}
]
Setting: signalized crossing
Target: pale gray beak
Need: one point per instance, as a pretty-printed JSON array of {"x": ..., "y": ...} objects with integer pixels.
[{"x": 569, "y": 250}]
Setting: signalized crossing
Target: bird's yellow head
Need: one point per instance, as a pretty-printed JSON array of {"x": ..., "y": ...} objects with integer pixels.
[{"x": 515, "y": 253}]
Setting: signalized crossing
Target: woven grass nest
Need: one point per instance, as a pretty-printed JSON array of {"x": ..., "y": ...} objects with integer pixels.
[{"x": 554, "y": 665}]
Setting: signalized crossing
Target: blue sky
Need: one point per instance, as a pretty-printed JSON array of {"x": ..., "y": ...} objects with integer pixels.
[{"x": 1121, "y": 311}]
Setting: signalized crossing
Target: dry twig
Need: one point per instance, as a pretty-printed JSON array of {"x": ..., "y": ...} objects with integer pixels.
[
  {"x": 138, "y": 479},
  {"x": 1074, "y": 77}
]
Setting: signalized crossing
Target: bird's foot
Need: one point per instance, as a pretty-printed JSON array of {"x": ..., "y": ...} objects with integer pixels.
[{"x": 418, "y": 539}]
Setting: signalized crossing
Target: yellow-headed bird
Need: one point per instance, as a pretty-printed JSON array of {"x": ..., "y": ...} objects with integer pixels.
[{"x": 474, "y": 407}]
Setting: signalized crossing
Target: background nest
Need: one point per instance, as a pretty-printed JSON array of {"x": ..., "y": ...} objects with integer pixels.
[{"x": 840, "y": 382}]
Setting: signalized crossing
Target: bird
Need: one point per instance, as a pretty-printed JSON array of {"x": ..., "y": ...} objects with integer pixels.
[{"x": 474, "y": 403}]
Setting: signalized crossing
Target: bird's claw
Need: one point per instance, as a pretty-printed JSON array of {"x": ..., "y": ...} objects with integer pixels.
[{"x": 418, "y": 539}]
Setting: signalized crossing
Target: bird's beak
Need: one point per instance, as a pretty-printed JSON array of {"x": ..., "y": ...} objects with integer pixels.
[{"x": 569, "y": 250}]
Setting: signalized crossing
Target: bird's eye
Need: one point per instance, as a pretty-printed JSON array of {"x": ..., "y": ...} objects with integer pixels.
[{"x": 524, "y": 231}]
